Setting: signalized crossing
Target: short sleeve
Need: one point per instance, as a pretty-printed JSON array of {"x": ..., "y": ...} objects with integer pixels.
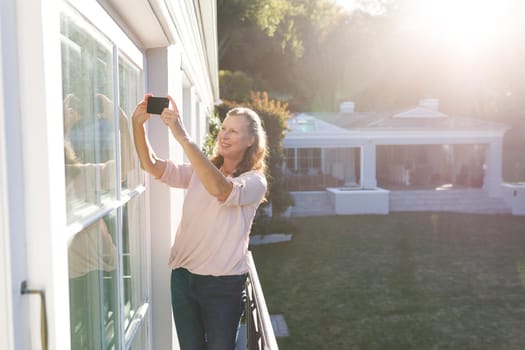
[
  {"x": 176, "y": 175},
  {"x": 248, "y": 189}
]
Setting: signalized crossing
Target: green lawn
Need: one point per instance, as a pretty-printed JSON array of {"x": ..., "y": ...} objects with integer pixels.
[{"x": 402, "y": 281}]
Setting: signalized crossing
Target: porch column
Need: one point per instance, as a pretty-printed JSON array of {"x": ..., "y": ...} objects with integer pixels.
[
  {"x": 493, "y": 168},
  {"x": 368, "y": 165},
  {"x": 165, "y": 207}
]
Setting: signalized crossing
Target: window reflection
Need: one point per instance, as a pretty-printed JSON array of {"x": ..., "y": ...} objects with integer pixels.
[
  {"x": 90, "y": 172},
  {"x": 108, "y": 283},
  {"x": 130, "y": 82},
  {"x": 93, "y": 286},
  {"x": 89, "y": 136},
  {"x": 134, "y": 255},
  {"x": 133, "y": 259}
]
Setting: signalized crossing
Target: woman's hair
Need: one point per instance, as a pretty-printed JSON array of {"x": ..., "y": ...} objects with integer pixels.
[{"x": 255, "y": 156}]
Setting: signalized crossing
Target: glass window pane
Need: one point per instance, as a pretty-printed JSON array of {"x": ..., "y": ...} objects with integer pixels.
[
  {"x": 89, "y": 137},
  {"x": 140, "y": 342},
  {"x": 93, "y": 285},
  {"x": 130, "y": 93},
  {"x": 290, "y": 160},
  {"x": 134, "y": 256},
  {"x": 108, "y": 284}
]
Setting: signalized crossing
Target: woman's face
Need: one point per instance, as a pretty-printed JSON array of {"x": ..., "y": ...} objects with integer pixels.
[{"x": 234, "y": 137}]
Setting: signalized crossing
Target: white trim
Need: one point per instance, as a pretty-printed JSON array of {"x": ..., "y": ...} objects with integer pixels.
[
  {"x": 6, "y": 298},
  {"x": 432, "y": 136},
  {"x": 328, "y": 135},
  {"x": 14, "y": 173},
  {"x": 38, "y": 28},
  {"x": 196, "y": 55},
  {"x": 100, "y": 19}
]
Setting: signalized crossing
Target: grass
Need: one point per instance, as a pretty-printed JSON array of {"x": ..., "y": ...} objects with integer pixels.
[{"x": 402, "y": 281}]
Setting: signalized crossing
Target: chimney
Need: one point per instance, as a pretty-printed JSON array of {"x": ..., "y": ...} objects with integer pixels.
[
  {"x": 430, "y": 103},
  {"x": 347, "y": 107}
]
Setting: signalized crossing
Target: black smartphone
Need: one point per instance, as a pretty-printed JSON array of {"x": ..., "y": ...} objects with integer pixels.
[{"x": 157, "y": 104}]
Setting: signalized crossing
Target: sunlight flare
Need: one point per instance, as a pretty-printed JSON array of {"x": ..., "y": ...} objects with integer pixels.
[{"x": 465, "y": 26}]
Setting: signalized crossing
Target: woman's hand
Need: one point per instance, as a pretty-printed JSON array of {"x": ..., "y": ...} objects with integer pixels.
[
  {"x": 105, "y": 106},
  {"x": 171, "y": 117},
  {"x": 140, "y": 115},
  {"x": 148, "y": 160}
]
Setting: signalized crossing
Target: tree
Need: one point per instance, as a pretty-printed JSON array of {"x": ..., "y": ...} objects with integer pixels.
[
  {"x": 317, "y": 55},
  {"x": 236, "y": 85},
  {"x": 269, "y": 52},
  {"x": 238, "y": 16}
]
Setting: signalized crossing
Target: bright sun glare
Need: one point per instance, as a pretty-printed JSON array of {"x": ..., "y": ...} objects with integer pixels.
[{"x": 466, "y": 26}]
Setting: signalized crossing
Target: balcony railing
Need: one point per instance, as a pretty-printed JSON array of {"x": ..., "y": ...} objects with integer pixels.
[{"x": 259, "y": 330}]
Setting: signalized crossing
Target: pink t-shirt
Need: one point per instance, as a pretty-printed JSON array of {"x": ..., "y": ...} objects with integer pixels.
[{"x": 213, "y": 236}]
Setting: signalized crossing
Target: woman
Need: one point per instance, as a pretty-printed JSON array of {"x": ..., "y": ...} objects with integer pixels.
[{"x": 209, "y": 255}]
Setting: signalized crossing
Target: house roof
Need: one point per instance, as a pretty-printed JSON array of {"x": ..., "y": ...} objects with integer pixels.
[
  {"x": 304, "y": 123},
  {"x": 416, "y": 125},
  {"x": 316, "y": 133},
  {"x": 417, "y": 118}
]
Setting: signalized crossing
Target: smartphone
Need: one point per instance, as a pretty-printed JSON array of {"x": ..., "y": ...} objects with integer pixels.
[{"x": 157, "y": 104}]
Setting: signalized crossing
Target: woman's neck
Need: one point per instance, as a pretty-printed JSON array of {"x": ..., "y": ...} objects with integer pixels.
[{"x": 228, "y": 168}]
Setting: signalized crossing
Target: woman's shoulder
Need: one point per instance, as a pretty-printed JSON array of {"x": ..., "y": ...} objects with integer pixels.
[
  {"x": 253, "y": 172},
  {"x": 254, "y": 175}
]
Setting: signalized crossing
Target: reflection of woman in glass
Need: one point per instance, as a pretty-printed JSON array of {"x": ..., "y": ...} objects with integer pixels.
[
  {"x": 92, "y": 253},
  {"x": 209, "y": 255}
]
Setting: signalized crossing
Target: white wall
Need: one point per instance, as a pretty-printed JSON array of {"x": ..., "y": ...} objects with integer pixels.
[
  {"x": 39, "y": 64},
  {"x": 494, "y": 167},
  {"x": 514, "y": 195},
  {"x": 14, "y": 184},
  {"x": 368, "y": 166},
  {"x": 6, "y": 316}
]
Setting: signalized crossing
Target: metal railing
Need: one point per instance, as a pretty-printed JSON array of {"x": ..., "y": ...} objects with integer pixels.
[{"x": 259, "y": 330}]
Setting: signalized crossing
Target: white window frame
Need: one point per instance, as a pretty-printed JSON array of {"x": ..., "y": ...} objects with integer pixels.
[
  {"x": 39, "y": 69},
  {"x": 122, "y": 45},
  {"x": 6, "y": 317}
]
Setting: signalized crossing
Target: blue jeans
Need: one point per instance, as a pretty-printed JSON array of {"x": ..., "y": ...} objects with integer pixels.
[{"x": 207, "y": 309}]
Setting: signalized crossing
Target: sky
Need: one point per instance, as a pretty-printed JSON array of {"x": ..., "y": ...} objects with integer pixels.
[
  {"x": 467, "y": 27},
  {"x": 347, "y": 4},
  {"x": 351, "y": 5}
]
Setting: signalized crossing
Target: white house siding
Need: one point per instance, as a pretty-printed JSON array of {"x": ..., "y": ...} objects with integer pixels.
[{"x": 177, "y": 42}]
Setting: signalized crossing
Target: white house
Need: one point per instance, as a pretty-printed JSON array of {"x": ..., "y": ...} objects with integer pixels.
[
  {"x": 373, "y": 159},
  {"x": 80, "y": 224}
]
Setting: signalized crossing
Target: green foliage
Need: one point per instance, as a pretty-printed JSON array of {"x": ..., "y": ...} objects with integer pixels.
[
  {"x": 214, "y": 125},
  {"x": 235, "y": 86},
  {"x": 264, "y": 225},
  {"x": 321, "y": 55},
  {"x": 274, "y": 115},
  {"x": 268, "y": 14},
  {"x": 272, "y": 18}
]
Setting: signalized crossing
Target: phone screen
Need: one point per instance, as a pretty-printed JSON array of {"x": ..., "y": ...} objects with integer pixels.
[{"x": 157, "y": 104}]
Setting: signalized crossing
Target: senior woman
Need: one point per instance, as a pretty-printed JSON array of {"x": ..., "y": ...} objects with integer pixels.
[{"x": 209, "y": 256}]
